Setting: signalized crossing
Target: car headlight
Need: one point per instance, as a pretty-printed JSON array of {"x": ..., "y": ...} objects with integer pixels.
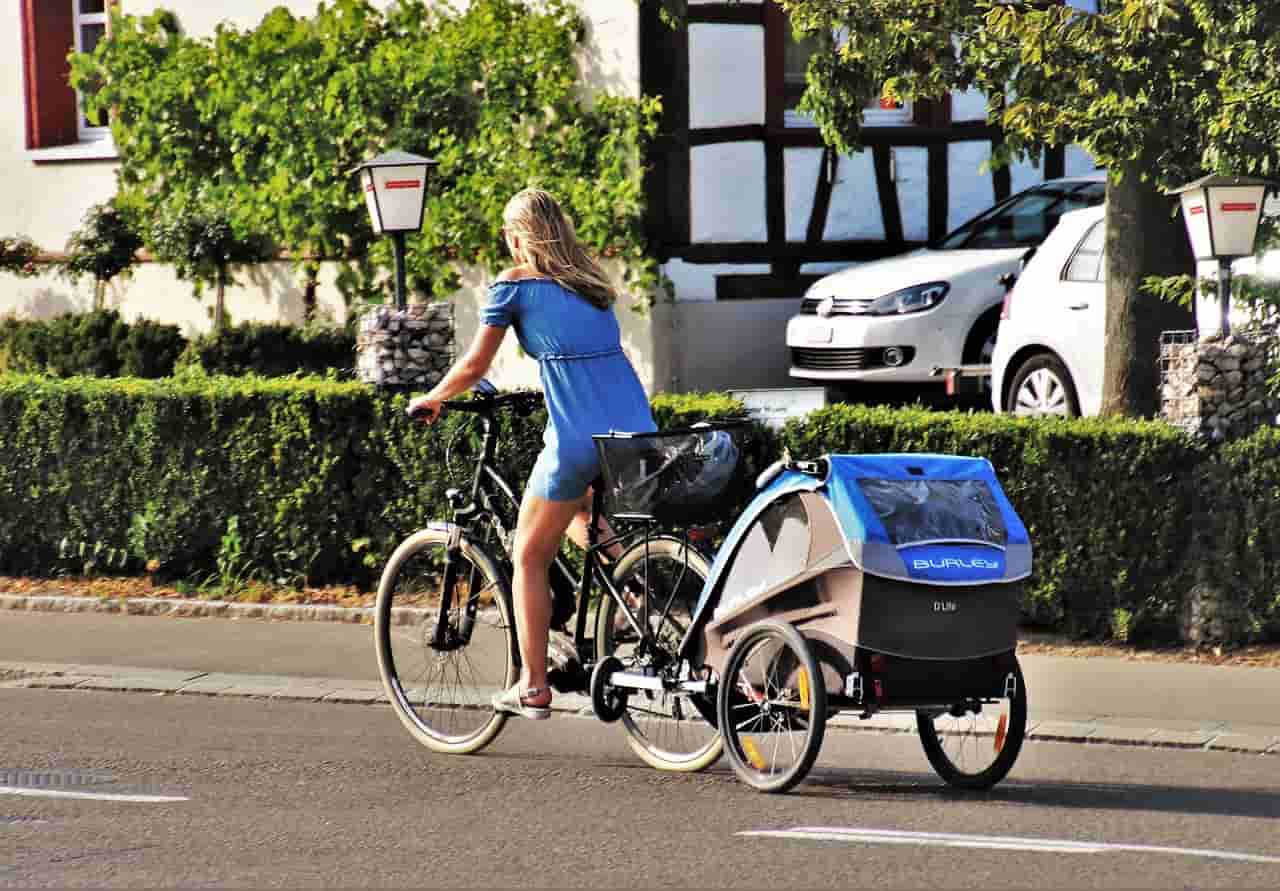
[{"x": 917, "y": 298}]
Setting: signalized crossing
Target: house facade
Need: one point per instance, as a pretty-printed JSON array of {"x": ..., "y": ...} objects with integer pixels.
[{"x": 747, "y": 206}]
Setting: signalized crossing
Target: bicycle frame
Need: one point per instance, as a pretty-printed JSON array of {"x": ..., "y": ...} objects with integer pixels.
[{"x": 482, "y": 501}]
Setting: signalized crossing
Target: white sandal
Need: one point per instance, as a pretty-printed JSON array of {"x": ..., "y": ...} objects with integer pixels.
[{"x": 512, "y": 702}]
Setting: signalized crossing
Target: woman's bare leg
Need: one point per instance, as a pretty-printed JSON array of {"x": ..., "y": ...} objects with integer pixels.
[{"x": 539, "y": 530}]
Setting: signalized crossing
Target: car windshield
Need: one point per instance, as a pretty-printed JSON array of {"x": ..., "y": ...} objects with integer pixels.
[{"x": 1024, "y": 220}]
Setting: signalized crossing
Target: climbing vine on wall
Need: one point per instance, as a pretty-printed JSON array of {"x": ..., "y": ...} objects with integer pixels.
[{"x": 267, "y": 124}]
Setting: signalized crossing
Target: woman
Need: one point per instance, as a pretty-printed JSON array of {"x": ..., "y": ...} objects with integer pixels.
[{"x": 560, "y": 303}]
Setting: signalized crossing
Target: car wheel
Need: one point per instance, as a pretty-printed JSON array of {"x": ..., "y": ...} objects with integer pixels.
[{"x": 1043, "y": 386}]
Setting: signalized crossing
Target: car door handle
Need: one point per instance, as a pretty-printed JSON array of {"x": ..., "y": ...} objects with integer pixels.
[{"x": 1078, "y": 306}]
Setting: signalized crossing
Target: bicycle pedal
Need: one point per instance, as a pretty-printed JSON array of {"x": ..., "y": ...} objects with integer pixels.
[{"x": 561, "y": 653}]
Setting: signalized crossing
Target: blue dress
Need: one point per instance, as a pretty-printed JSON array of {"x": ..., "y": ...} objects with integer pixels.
[{"x": 589, "y": 384}]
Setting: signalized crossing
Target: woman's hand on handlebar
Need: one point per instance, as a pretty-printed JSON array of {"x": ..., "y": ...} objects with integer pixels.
[{"x": 425, "y": 409}]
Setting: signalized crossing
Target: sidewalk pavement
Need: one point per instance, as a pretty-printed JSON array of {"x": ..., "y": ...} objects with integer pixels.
[{"x": 1099, "y": 700}]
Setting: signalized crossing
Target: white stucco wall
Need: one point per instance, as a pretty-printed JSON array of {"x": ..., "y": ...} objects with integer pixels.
[
  {"x": 855, "y": 211},
  {"x": 912, "y": 184},
  {"x": 969, "y": 191},
  {"x": 726, "y": 75},
  {"x": 697, "y": 281},
  {"x": 802, "y": 167},
  {"x": 727, "y": 192}
]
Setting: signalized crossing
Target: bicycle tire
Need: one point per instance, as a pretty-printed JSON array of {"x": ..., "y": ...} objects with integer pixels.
[
  {"x": 450, "y": 690},
  {"x": 664, "y": 733},
  {"x": 947, "y": 746}
]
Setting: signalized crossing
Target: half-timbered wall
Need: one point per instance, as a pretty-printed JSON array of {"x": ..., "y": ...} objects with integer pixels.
[{"x": 749, "y": 207}]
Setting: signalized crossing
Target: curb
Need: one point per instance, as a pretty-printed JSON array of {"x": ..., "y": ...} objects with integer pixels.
[
  {"x": 14, "y": 675},
  {"x": 168, "y": 606}
]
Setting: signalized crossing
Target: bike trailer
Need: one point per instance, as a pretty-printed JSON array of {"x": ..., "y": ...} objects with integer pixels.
[{"x": 900, "y": 570}]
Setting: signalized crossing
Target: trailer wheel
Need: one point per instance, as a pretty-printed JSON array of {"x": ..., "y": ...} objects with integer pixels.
[
  {"x": 772, "y": 706},
  {"x": 973, "y": 745}
]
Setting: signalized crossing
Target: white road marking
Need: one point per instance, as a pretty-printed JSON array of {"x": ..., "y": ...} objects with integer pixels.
[
  {"x": 994, "y": 842},
  {"x": 95, "y": 796}
]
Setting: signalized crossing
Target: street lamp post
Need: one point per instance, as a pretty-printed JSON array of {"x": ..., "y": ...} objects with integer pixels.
[
  {"x": 395, "y": 190},
  {"x": 1222, "y": 214}
]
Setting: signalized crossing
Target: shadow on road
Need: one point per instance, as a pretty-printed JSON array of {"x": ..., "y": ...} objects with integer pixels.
[{"x": 828, "y": 783}]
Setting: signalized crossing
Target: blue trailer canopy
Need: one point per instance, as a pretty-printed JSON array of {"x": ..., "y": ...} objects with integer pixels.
[{"x": 931, "y": 520}]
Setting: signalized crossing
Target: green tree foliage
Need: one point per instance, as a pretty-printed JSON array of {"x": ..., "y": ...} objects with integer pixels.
[
  {"x": 268, "y": 123},
  {"x": 1157, "y": 91},
  {"x": 18, "y": 256},
  {"x": 103, "y": 247},
  {"x": 203, "y": 245}
]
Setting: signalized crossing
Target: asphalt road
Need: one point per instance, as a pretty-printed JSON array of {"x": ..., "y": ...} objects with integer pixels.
[{"x": 306, "y": 794}]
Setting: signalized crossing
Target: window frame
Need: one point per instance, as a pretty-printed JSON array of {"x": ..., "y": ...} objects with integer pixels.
[
  {"x": 85, "y": 131},
  {"x": 778, "y": 35},
  {"x": 52, "y": 109}
]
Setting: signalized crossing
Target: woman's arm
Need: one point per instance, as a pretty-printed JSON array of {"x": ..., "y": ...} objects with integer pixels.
[{"x": 462, "y": 376}]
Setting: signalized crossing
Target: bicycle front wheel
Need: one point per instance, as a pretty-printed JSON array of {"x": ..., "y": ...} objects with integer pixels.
[
  {"x": 440, "y": 687},
  {"x": 667, "y": 729}
]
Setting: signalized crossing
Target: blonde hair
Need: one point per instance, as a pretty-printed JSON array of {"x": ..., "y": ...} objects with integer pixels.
[{"x": 549, "y": 244}]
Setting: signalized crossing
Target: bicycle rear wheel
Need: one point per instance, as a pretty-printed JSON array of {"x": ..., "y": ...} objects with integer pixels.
[
  {"x": 668, "y": 730},
  {"x": 441, "y": 690}
]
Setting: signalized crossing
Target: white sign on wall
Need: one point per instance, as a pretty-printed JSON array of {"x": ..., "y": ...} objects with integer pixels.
[{"x": 773, "y": 407}]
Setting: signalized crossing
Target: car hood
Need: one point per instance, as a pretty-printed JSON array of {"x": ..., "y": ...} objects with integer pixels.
[{"x": 915, "y": 268}]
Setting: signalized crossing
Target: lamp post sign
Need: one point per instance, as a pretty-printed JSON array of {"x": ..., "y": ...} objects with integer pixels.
[
  {"x": 395, "y": 191},
  {"x": 1222, "y": 214}
]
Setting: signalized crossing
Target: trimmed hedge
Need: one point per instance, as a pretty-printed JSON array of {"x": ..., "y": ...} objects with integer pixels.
[
  {"x": 98, "y": 344},
  {"x": 101, "y": 344},
  {"x": 325, "y": 477},
  {"x": 273, "y": 350}
]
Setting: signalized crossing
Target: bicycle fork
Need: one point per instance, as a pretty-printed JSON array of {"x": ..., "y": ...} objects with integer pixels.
[{"x": 440, "y": 638}]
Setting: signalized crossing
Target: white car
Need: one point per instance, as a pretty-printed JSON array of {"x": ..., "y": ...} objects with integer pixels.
[
  {"x": 1049, "y": 349},
  {"x": 1051, "y": 340},
  {"x": 938, "y": 307}
]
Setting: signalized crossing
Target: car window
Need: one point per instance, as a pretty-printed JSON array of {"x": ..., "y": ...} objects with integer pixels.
[
  {"x": 1024, "y": 220},
  {"x": 1085, "y": 264}
]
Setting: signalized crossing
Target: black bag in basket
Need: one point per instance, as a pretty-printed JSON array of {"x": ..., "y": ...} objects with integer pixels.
[{"x": 682, "y": 477}]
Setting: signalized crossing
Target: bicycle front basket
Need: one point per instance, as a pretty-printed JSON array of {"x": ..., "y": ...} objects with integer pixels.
[{"x": 678, "y": 477}]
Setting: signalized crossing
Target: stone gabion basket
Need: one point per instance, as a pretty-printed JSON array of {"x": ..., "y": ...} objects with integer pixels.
[
  {"x": 1218, "y": 387},
  {"x": 410, "y": 347}
]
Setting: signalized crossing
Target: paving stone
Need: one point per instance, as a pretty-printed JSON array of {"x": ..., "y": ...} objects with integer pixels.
[
  {"x": 308, "y": 692},
  {"x": 1121, "y": 734},
  {"x": 206, "y": 687},
  {"x": 1181, "y": 739},
  {"x": 1239, "y": 742},
  {"x": 363, "y": 697},
  {"x": 1062, "y": 730},
  {"x": 48, "y": 682}
]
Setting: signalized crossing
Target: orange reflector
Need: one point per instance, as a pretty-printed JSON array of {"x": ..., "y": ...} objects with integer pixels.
[
  {"x": 803, "y": 680},
  {"x": 1002, "y": 730},
  {"x": 753, "y": 754}
]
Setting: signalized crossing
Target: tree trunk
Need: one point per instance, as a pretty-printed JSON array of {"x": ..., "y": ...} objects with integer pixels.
[
  {"x": 220, "y": 302},
  {"x": 99, "y": 293},
  {"x": 1144, "y": 237}
]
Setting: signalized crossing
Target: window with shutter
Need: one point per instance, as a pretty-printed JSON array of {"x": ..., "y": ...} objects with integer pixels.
[{"x": 51, "y": 30}]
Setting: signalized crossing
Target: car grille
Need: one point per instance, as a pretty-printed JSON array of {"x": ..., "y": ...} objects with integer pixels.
[
  {"x": 850, "y": 359},
  {"x": 843, "y": 306}
]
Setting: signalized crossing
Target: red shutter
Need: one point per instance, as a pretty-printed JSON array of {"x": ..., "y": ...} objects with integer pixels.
[{"x": 48, "y": 36}]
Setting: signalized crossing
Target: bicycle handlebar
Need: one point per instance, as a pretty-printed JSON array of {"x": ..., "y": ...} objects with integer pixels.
[{"x": 522, "y": 402}]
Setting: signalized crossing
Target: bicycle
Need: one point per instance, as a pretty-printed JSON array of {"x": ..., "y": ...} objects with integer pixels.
[{"x": 446, "y": 640}]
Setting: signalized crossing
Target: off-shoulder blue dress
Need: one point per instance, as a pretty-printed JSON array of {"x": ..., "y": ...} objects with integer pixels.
[{"x": 589, "y": 383}]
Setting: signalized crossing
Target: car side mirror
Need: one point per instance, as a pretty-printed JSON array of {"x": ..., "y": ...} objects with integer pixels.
[{"x": 1026, "y": 258}]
